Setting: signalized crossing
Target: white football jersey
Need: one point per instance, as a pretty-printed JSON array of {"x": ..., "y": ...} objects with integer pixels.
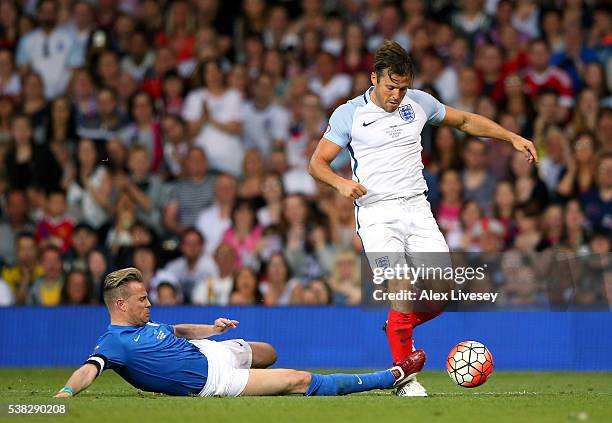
[{"x": 385, "y": 148}]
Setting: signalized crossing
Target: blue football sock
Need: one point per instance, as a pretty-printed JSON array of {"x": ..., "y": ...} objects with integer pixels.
[{"x": 342, "y": 383}]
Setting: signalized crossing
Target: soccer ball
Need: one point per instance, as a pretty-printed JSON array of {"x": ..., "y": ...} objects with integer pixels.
[{"x": 469, "y": 364}]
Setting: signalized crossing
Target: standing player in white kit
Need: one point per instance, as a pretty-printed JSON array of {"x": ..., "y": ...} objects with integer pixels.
[{"x": 382, "y": 131}]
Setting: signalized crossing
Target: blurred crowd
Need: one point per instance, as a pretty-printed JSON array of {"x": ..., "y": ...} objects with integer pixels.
[{"x": 174, "y": 136}]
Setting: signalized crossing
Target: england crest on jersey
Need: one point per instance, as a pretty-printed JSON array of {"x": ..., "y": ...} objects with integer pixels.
[{"x": 406, "y": 112}]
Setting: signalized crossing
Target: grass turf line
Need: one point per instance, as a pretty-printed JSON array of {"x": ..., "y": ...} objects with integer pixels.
[{"x": 506, "y": 397}]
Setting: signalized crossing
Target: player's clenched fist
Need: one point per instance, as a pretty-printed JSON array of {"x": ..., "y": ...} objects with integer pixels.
[
  {"x": 222, "y": 325},
  {"x": 351, "y": 189}
]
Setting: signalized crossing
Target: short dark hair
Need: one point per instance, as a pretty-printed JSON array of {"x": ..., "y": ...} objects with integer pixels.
[
  {"x": 244, "y": 202},
  {"x": 547, "y": 91},
  {"x": 603, "y": 156},
  {"x": 85, "y": 275},
  {"x": 15, "y": 191},
  {"x": 132, "y": 101},
  {"x": 167, "y": 285},
  {"x": 108, "y": 90},
  {"x": 604, "y": 111},
  {"x": 56, "y": 191},
  {"x": 281, "y": 255},
  {"x": 51, "y": 249},
  {"x": 529, "y": 209},
  {"x": 539, "y": 40},
  {"x": 54, "y": 2},
  {"x": 198, "y": 79},
  {"x": 474, "y": 140},
  {"x": 83, "y": 226},
  {"x": 175, "y": 117},
  {"x": 24, "y": 235},
  {"x": 392, "y": 57},
  {"x": 193, "y": 230}
]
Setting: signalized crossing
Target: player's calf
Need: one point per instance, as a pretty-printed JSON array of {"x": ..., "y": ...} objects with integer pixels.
[
  {"x": 286, "y": 381},
  {"x": 276, "y": 382}
]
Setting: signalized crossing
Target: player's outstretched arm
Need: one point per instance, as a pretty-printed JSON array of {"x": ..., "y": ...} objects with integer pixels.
[
  {"x": 80, "y": 379},
  {"x": 320, "y": 169},
  {"x": 480, "y": 126},
  {"x": 220, "y": 326}
]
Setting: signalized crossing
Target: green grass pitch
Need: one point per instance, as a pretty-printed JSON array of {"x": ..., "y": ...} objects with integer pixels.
[{"x": 506, "y": 397}]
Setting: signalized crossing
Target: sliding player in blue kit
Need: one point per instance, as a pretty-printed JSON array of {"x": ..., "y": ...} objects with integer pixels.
[{"x": 177, "y": 360}]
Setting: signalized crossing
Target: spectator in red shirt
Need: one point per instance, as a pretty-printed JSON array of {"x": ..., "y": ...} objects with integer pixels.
[
  {"x": 513, "y": 45},
  {"x": 56, "y": 226},
  {"x": 165, "y": 61},
  {"x": 180, "y": 30},
  {"x": 488, "y": 63},
  {"x": 540, "y": 74},
  {"x": 355, "y": 56}
]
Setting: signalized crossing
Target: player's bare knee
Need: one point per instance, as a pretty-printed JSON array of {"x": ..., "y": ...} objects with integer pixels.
[
  {"x": 264, "y": 355},
  {"x": 271, "y": 355}
]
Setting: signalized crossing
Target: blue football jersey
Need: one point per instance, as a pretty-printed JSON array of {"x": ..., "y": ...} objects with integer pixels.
[{"x": 151, "y": 358}]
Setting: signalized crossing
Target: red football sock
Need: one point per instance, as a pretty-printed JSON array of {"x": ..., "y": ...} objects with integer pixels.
[
  {"x": 424, "y": 316},
  {"x": 399, "y": 330},
  {"x": 399, "y": 334}
]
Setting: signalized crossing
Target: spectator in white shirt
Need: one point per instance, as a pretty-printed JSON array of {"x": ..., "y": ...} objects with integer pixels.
[
  {"x": 277, "y": 34},
  {"x": 333, "y": 41},
  {"x": 553, "y": 165},
  {"x": 159, "y": 292},
  {"x": 471, "y": 19},
  {"x": 266, "y": 122},
  {"x": 193, "y": 265},
  {"x": 10, "y": 83},
  {"x": 308, "y": 121},
  {"x": 333, "y": 88},
  {"x": 297, "y": 180},
  {"x": 82, "y": 26},
  {"x": 217, "y": 289},
  {"x": 216, "y": 219},
  {"x": 47, "y": 49},
  {"x": 140, "y": 58},
  {"x": 176, "y": 144},
  {"x": 443, "y": 78},
  {"x": 526, "y": 18},
  {"x": 6, "y": 294},
  {"x": 273, "y": 194},
  {"x": 214, "y": 115}
]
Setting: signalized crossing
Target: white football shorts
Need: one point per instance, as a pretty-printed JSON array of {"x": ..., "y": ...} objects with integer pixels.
[
  {"x": 228, "y": 366},
  {"x": 401, "y": 231}
]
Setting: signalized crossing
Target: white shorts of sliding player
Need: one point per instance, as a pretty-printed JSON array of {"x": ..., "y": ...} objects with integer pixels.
[{"x": 228, "y": 366}]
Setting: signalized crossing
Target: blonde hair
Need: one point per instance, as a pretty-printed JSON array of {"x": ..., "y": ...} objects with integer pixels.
[
  {"x": 116, "y": 282},
  {"x": 335, "y": 278}
]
